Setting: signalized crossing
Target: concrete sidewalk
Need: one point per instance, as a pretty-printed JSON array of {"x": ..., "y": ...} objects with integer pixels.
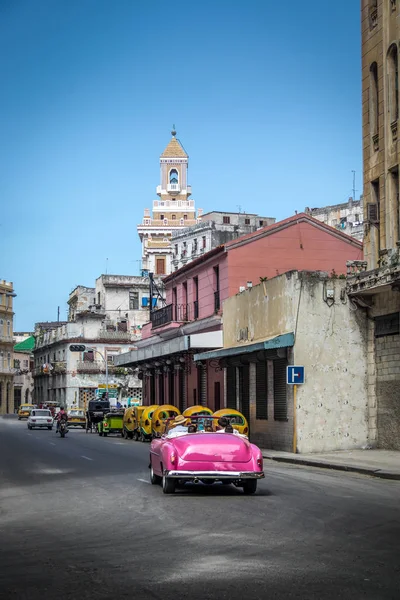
[{"x": 377, "y": 463}]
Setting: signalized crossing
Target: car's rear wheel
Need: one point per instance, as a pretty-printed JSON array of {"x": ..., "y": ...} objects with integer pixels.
[
  {"x": 136, "y": 436},
  {"x": 168, "y": 485},
  {"x": 100, "y": 433},
  {"x": 250, "y": 486},
  {"x": 50, "y": 428},
  {"x": 155, "y": 479}
]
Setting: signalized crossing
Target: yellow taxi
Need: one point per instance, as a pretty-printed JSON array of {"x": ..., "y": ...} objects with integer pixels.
[
  {"x": 24, "y": 411},
  {"x": 197, "y": 410},
  {"x": 77, "y": 418},
  {"x": 144, "y": 429},
  {"x": 236, "y": 419},
  {"x": 163, "y": 412},
  {"x": 131, "y": 422}
]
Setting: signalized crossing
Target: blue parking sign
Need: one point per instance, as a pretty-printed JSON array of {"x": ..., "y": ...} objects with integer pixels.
[{"x": 294, "y": 375}]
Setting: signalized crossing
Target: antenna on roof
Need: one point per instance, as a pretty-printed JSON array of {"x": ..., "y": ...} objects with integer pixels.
[{"x": 239, "y": 208}]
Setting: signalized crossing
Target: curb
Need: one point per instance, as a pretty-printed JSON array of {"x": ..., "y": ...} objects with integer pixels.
[{"x": 380, "y": 473}]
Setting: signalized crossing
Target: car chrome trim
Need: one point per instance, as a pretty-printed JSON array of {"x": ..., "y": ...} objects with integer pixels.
[{"x": 214, "y": 474}]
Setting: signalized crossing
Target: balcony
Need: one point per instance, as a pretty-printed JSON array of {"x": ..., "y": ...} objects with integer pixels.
[
  {"x": 6, "y": 339},
  {"x": 90, "y": 366},
  {"x": 7, "y": 370},
  {"x": 59, "y": 367},
  {"x": 167, "y": 314},
  {"x": 173, "y": 188},
  {"x": 217, "y": 301},
  {"x": 173, "y": 205},
  {"x": 115, "y": 335}
]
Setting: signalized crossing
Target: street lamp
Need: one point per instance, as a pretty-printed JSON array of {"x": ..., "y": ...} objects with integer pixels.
[{"x": 83, "y": 348}]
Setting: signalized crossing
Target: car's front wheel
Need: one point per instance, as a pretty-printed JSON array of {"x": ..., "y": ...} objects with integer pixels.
[
  {"x": 168, "y": 485},
  {"x": 250, "y": 486},
  {"x": 50, "y": 428}
]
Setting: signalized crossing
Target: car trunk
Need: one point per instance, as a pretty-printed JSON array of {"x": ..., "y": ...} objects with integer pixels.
[{"x": 218, "y": 448}]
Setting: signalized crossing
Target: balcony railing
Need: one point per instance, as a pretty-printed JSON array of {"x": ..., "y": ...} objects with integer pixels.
[
  {"x": 217, "y": 301},
  {"x": 115, "y": 335},
  {"x": 6, "y": 339},
  {"x": 90, "y": 366},
  {"x": 174, "y": 188},
  {"x": 169, "y": 313}
]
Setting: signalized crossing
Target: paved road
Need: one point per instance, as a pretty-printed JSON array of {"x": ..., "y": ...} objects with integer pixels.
[{"x": 79, "y": 520}]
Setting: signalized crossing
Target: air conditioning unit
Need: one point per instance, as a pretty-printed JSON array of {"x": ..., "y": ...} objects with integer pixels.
[{"x": 241, "y": 289}]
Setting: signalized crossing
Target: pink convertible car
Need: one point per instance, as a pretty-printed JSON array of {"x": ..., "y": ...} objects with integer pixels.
[{"x": 206, "y": 457}]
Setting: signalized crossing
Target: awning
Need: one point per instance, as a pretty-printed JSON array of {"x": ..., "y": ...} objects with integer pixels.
[
  {"x": 280, "y": 341},
  {"x": 183, "y": 343}
]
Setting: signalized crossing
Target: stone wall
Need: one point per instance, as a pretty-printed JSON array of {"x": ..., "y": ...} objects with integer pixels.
[{"x": 384, "y": 374}]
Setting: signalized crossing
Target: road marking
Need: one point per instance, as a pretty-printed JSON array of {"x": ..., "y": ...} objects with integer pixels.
[
  {"x": 86, "y": 457},
  {"x": 144, "y": 480},
  {"x": 52, "y": 443},
  {"x": 29, "y": 434}
]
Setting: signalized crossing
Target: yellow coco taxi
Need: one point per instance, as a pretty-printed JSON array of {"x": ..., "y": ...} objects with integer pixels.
[
  {"x": 131, "y": 422},
  {"x": 197, "y": 410},
  {"x": 144, "y": 428},
  {"x": 236, "y": 419},
  {"x": 163, "y": 412},
  {"x": 128, "y": 423},
  {"x": 24, "y": 411}
]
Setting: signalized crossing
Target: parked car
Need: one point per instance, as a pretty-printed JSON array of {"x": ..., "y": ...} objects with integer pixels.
[
  {"x": 205, "y": 457},
  {"x": 24, "y": 411},
  {"x": 77, "y": 418},
  {"x": 40, "y": 417}
]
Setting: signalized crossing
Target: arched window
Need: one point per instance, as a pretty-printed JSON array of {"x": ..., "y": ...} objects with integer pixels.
[
  {"x": 173, "y": 176},
  {"x": 173, "y": 217},
  {"x": 374, "y": 105},
  {"x": 393, "y": 83}
]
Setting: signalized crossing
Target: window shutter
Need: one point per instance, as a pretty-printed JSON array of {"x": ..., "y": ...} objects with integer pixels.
[
  {"x": 372, "y": 212},
  {"x": 261, "y": 390},
  {"x": 231, "y": 387},
  {"x": 280, "y": 387}
]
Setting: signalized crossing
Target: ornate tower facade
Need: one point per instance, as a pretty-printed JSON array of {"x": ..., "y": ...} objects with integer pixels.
[{"x": 172, "y": 212}]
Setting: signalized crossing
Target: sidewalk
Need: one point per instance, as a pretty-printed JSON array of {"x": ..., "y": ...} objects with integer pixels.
[{"x": 377, "y": 463}]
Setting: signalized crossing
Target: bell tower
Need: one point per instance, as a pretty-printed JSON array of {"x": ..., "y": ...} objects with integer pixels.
[{"x": 173, "y": 211}]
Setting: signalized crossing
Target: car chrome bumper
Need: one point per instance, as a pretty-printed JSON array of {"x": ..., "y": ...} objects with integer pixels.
[{"x": 217, "y": 475}]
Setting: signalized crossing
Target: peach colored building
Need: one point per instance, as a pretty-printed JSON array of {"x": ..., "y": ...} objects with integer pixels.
[{"x": 191, "y": 321}]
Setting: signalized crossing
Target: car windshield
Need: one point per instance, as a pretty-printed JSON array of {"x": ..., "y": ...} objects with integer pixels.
[
  {"x": 41, "y": 413},
  {"x": 76, "y": 413}
]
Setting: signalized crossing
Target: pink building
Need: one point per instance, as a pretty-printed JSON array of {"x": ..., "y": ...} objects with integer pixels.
[{"x": 191, "y": 321}]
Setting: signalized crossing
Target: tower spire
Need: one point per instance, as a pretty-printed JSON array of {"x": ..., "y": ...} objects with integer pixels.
[{"x": 173, "y": 132}]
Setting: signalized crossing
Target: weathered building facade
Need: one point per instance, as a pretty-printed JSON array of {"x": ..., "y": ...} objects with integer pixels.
[
  {"x": 173, "y": 211},
  {"x": 6, "y": 347},
  {"x": 373, "y": 285},
  {"x": 23, "y": 375},
  {"x": 195, "y": 293},
  {"x": 73, "y": 378},
  {"x": 214, "y": 229},
  {"x": 346, "y": 216},
  {"x": 299, "y": 318}
]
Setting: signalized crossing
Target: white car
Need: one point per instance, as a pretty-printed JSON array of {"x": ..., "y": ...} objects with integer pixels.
[{"x": 40, "y": 417}]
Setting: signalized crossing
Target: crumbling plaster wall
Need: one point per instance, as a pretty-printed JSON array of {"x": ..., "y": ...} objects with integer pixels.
[{"x": 331, "y": 342}]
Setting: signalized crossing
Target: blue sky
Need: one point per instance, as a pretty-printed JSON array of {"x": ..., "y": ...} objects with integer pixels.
[{"x": 265, "y": 96}]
